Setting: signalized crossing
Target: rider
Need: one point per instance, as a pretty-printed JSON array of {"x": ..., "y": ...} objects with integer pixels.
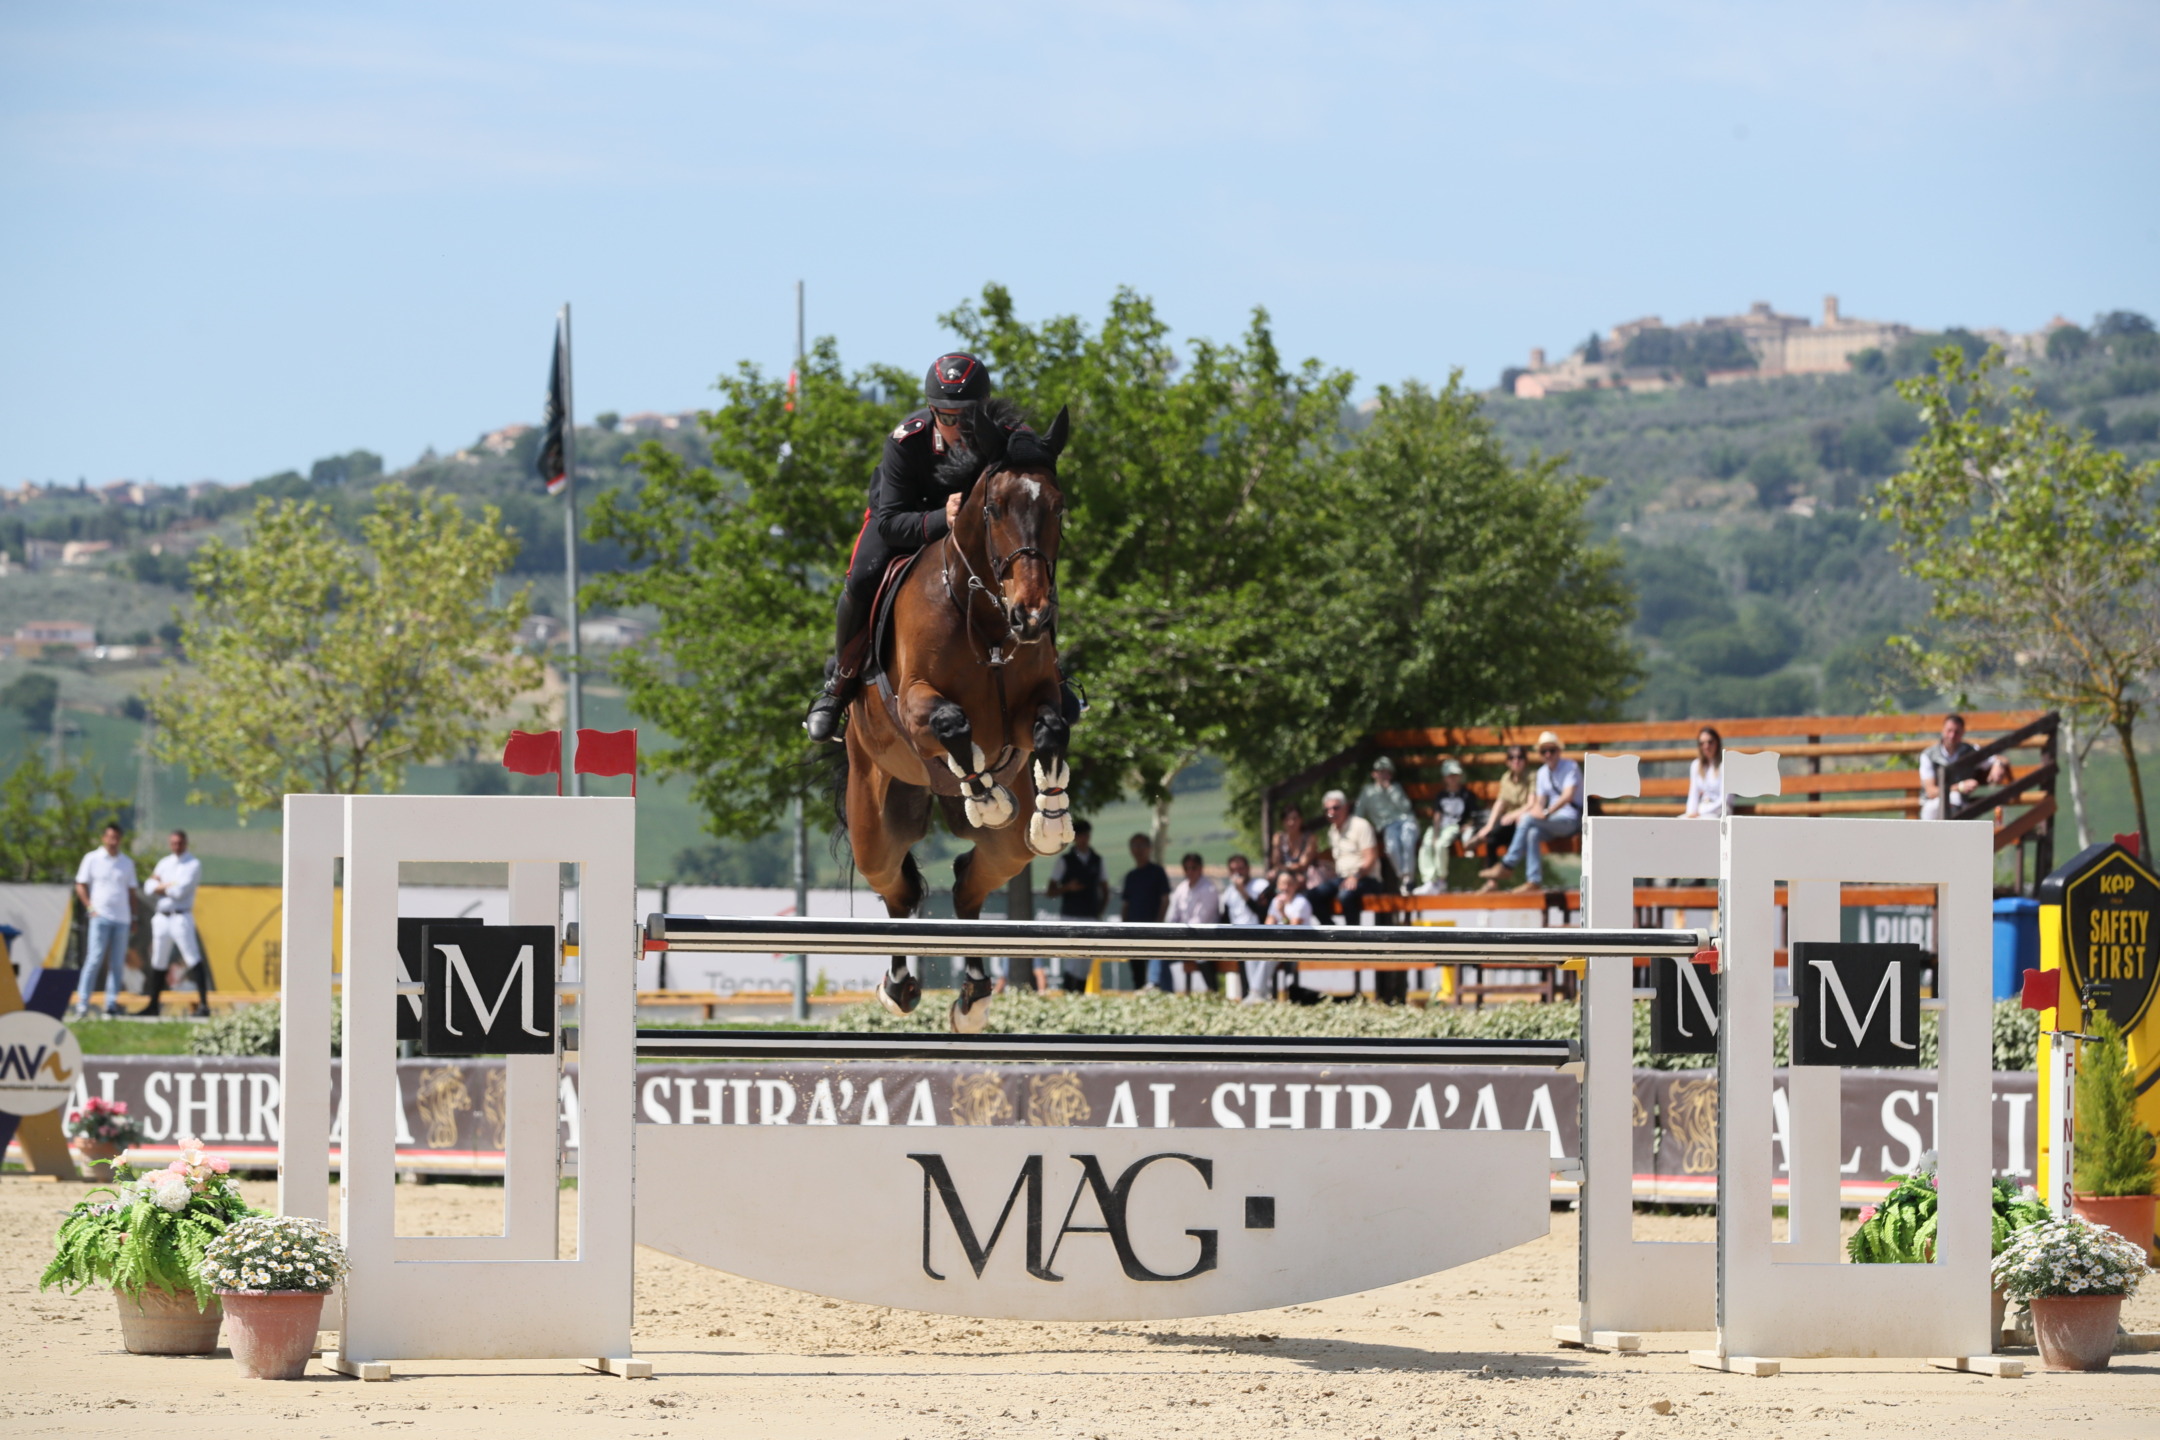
[{"x": 910, "y": 506}]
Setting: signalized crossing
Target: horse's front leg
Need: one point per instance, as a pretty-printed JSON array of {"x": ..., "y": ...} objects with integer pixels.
[
  {"x": 1050, "y": 828},
  {"x": 987, "y": 804}
]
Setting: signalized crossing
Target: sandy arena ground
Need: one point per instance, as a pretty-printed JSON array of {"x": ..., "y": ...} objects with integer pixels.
[{"x": 1461, "y": 1353}]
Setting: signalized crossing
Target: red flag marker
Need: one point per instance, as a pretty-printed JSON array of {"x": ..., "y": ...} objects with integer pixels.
[
  {"x": 2043, "y": 990},
  {"x": 607, "y": 752},
  {"x": 535, "y": 753},
  {"x": 2128, "y": 842}
]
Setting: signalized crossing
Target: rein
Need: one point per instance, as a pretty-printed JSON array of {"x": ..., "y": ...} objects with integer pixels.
[{"x": 1000, "y": 567}]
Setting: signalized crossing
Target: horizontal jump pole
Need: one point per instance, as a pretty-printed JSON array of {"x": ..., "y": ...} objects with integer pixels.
[
  {"x": 804, "y": 1045},
  {"x": 1047, "y": 940}
]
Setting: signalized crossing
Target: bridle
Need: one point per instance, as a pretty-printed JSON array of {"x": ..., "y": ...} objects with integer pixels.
[{"x": 1000, "y": 568}]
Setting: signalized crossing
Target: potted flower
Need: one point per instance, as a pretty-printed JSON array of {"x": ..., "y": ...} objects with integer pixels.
[
  {"x": 1900, "y": 1230},
  {"x": 2112, "y": 1163},
  {"x": 273, "y": 1273},
  {"x": 2075, "y": 1275},
  {"x": 145, "y": 1237},
  {"x": 102, "y": 1132}
]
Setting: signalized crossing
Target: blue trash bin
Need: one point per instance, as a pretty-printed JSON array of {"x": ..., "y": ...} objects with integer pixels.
[{"x": 2017, "y": 944}]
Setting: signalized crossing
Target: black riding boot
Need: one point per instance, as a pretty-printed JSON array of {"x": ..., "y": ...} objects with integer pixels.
[{"x": 842, "y": 672}]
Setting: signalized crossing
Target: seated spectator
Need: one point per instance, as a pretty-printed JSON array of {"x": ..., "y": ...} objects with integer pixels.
[
  {"x": 1196, "y": 901},
  {"x": 1454, "y": 812},
  {"x": 1935, "y": 764},
  {"x": 1385, "y": 805},
  {"x": 1244, "y": 893},
  {"x": 1510, "y": 806},
  {"x": 1555, "y": 814},
  {"x": 1144, "y": 899},
  {"x": 1706, "y": 797},
  {"x": 1290, "y": 848},
  {"x": 1355, "y": 850},
  {"x": 1289, "y": 907}
]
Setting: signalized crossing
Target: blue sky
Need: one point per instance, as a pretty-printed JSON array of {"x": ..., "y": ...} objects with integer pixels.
[{"x": 237, "y": 237}]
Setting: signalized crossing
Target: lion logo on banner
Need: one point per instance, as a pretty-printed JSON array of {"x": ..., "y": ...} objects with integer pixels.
[
  {"x": 442, "y": 1095},
  {"x": 1691, "y": 1122},
  {"x": 1057, "y": 1100},
  {"x": 981, "y": 1100}
]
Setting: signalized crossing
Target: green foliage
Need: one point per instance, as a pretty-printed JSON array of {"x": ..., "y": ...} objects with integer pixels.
[
  {"x": 739, "y": 557},
  {"x": 1900, "y": 1228},
  {"x": 2114, "y": 1153},
  {"x": 47, "y": 824},
  {"x": 359, "y": 466},
  {"x": 328, "y": 666},
  {"x": 1687, "y": 350},
  {"x": 246, "y": 1030},
  {"x": 167, "y": 1035},
  {"x": 2041, "y": 549},
  {"x": 2066, "y": 343},
  {"x": 1149, "y": 1012},
  {"x": 133, "y": 1242},
  {"x": 33, "y": 694}
]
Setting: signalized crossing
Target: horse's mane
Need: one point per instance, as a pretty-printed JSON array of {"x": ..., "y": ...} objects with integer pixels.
[{"x": 990, "y": 427}]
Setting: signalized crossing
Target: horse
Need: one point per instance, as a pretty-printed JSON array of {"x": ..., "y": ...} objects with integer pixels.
[{"x": 966, "y": 706}]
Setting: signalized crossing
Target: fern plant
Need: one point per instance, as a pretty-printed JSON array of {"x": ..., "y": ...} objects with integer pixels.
[
  {"x": 149, "y": 1231},
  {"x": 1901, "y": 1229},
  {"x": 2114, "y": 1154}
]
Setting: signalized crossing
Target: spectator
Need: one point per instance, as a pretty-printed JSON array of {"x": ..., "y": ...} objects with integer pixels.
[
  {"x": 1555, "y": 814},
  {"x": 1355, "y": 849},
  {"x": 1196, "y": 901},
  {"x": 1320, "y": 885},
  {"x": 1289, "y": 907},
  {"x": 1935, "y": 764},
  {"x": 1385, "y": 805},
  {"x": 1454, "y": 811},
  {"x": 1510, "y": 805},
  {"x": 105, "y": 883},
  {"x": 1706, "y": 797},
  {"x": 1145, "y": 899},
  {"x": 1291, "y": 848},
  {"x": 172, "y": 926},
  {"x": 1082, "y": 889},
  {"x": 1244, "y": 893}
]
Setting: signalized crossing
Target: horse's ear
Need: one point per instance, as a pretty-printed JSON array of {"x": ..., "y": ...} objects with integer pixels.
[
  {"x": 1060, "y": 431},
  {"x": 986, "y": 437}
]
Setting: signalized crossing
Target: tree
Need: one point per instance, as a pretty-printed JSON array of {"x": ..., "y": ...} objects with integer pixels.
[
  {"x": 46, "y": 825},
  {"x": 2043, "y": 551},
  {"x": 328, "y": 666},
  {"x": 740, "y": 558},
  {"x": 35, "y": 695},
  {"x": 2066, "y": 343}
]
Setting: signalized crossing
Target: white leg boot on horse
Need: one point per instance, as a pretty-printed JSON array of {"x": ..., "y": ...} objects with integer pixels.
[
  {"x": 1050, "y": 828},
  {"x": 989, "y": 805}
]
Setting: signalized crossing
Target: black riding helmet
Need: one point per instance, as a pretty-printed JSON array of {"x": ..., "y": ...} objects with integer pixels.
[{"x": 955, "y": 381}]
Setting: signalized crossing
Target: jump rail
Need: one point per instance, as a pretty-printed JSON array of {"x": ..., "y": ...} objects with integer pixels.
[
  {"x": 1095, "y": 1049},
  {"x": 1427, "y": 945}
]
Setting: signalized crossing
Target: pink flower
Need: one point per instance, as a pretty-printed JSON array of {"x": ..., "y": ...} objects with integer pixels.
[{"x": 1867, "y": 1214}]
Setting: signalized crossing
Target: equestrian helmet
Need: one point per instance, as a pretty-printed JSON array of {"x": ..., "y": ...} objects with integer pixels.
[{"x": 955, "y": 380}]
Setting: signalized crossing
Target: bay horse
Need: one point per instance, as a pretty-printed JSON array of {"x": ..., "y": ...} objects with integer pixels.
[{"x": 966, "y": 706}]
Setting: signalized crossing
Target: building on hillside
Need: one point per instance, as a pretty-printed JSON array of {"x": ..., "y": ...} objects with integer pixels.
[
  {"x": 83, "y": 552},
  {"x": 1648, "y": 355},
  {"x": 40, "y": 637},
  {"x": 37, "y": 554},
  {"x": 654, "y": 422},
  {"x": 610, "y": 632}
]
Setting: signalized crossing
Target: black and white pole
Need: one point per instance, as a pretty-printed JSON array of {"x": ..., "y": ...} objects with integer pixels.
[{"x": 574, "y": 704}]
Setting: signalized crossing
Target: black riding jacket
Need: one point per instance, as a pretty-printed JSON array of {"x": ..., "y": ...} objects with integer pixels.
[{"x": 907, "y": 500}]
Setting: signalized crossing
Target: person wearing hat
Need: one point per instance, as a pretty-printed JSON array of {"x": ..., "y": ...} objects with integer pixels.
[
  {"x": 910, "y": 506},
  {"x": 1555, "y": 813},
  {"x": 1453, "y": 813},
  {"x": 1385, "y": 805}
]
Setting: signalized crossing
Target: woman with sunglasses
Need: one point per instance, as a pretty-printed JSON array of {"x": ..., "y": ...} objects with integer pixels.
[
  {"x": 1706, "y": 797},
  {"x": 913, "y": 498}
]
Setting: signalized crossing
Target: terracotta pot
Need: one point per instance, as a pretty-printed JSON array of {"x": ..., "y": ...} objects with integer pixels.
[
  {"x": 2130, "y": 1216},
  {"x": 2076, "y": 1332},
  {"x": 158, "y": 1322},
  {"x": 272, "y": 1332},
  {"x": 96, "y": 1157}
]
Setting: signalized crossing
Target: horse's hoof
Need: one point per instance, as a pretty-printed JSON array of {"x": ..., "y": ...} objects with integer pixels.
[
  {"x": 1049, "y": 834},
  {"x": 971, "y": 1012},
  {"x": 901, "y": 998}
]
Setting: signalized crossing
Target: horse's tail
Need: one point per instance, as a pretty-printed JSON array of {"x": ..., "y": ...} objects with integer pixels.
[{"x": 835, "y": 761}]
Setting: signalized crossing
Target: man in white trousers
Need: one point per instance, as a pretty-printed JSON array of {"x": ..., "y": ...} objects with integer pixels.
[{"x": 171, "y": 886}]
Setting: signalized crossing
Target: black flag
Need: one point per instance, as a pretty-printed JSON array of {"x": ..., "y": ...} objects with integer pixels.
[{"x": 553, "y": 472}]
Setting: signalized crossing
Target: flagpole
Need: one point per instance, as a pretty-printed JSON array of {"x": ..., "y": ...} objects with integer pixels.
[
  {"x": 575, "y": 703},
  {"x": 802, "y": 831}
]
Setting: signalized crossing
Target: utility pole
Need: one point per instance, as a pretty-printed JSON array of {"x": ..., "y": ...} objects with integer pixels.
[
  {"x": 575, "y": 699},
  {"x": 802, "y": 828}
]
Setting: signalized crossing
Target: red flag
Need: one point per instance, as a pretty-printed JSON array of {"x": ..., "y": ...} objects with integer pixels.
[
  {"x": 535, "y": 753},
  {"x": 2043, "y": 990},
  {"x": 2128, "y": 842},
  {"x": 607, "y": 752}
]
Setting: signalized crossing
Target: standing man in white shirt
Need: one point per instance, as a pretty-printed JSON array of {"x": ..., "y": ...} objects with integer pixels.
[
  {"x": 105, "y": 883},
  {"x": 172, "y": 924},
  {"x": 1196, "y": 901}
]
